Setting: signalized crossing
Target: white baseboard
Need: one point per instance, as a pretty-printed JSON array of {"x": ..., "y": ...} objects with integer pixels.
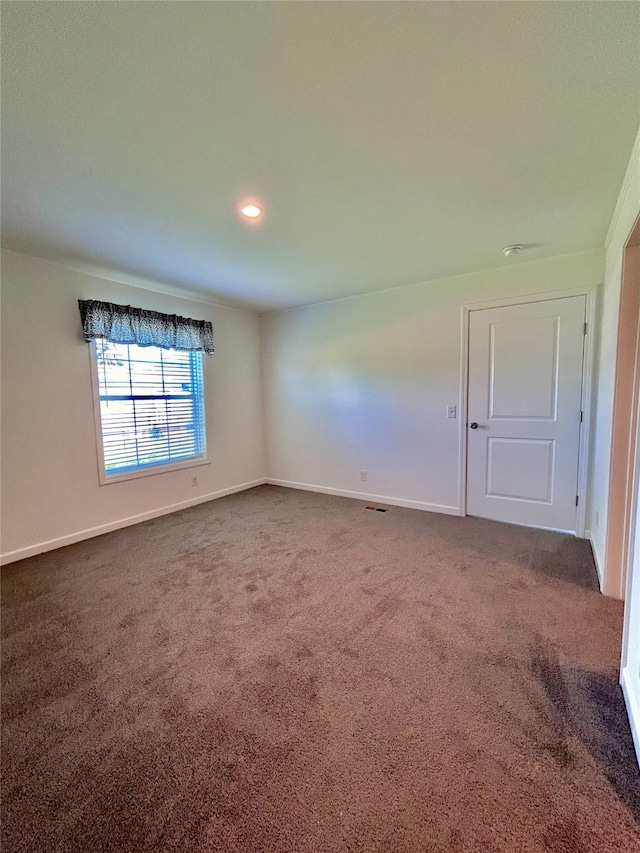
[
  {"x": 364, "y": 496},
  {"x": 61, "y": 541},
  {"x": 596, "y": 558},
  {"x": 632, "y": 701}
]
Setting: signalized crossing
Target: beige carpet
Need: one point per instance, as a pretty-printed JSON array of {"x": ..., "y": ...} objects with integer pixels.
[{"x": 285, "y": 671}]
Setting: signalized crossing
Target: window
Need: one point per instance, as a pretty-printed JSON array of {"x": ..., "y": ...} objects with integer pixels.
[{"x": 150, "y": 409}]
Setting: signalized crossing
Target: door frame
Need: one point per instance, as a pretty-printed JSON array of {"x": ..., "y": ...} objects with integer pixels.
[{"x": 588, "y": 361}]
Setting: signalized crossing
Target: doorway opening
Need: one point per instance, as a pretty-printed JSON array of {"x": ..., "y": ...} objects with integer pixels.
[{"x": 625, "y": 419}]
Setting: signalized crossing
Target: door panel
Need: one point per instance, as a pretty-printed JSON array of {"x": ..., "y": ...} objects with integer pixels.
[
  {"x": 520, "y": 468},
  {"x": 511, "y": 347},
  {"x": 525, "y": 390}
]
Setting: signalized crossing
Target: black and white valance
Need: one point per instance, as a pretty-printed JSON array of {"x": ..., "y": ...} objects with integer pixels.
[{"x": 122, "y": 324}]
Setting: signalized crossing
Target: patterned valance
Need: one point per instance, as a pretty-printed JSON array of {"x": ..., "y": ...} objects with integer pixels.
[{"x": 122, "y": 324}]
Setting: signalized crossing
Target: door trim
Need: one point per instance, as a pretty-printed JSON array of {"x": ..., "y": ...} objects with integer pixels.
[{"x": 588, "y": 360}]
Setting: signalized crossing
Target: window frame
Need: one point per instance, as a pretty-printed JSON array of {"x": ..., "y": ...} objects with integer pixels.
[{"x": 160, "y": 468}]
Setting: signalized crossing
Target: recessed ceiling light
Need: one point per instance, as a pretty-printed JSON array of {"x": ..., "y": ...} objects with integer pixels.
[
  {"x": 508, "y": 251},
  {"x": 251, "y": 211}
]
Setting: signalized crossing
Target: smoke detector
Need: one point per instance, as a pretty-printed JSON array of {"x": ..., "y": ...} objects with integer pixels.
[{"x": 509, "y": 251}]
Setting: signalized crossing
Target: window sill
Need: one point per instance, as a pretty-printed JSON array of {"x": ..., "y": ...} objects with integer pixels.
[{"x": 152, "y": 471}]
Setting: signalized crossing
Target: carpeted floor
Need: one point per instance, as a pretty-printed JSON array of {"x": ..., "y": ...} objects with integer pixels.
[{"x": 285, "y": 671}]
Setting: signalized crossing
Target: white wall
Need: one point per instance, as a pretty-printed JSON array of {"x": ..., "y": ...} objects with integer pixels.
[
  {"x": 50, "y": 488},
  {"x": 630, "y": 665},
  {"x": 626, "y": 211},
  {"x": 364, "y": 383}
]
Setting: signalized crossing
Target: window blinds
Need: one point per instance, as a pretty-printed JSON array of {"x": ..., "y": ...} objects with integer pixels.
[{"x": 151, "y": 406}]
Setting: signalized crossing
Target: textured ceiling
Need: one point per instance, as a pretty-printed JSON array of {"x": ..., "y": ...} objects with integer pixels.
[{"x": 389, "y": 142}]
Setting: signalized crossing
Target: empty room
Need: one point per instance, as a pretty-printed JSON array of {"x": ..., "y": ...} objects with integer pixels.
[{"x": 320, "y": 427}]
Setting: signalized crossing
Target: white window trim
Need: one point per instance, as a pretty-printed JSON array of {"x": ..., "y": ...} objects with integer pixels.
[{"x": 162, "y": 468}]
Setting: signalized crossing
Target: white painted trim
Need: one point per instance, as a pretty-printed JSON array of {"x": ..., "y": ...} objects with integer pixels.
[
  {"x": 80, "y": 535},
  {"x": 506, "y": 301},
  {"x": 463, "y": 443},
  {"x": 151, "y": 471},
  {"x": 596, "y": 558},
  {"x": 584, "y": 456},
  {"x": 363, "y": 496},
  {"x": 588, "y": 360},
  {"x": 626, "y": 184},
  {"x": 633, "y": 709}
]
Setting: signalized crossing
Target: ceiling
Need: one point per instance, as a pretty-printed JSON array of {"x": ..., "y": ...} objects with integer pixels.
[{"x": 390, "y": 143}]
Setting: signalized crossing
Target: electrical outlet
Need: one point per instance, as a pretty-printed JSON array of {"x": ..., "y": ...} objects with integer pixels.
[
  {"x": 363, "y": 476},
  {"x": 194, "y": 481},
  {"x": 451, "y": 411}
]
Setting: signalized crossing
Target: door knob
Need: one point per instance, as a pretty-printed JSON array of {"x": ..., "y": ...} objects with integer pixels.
[{"x": 474, "y": 425}]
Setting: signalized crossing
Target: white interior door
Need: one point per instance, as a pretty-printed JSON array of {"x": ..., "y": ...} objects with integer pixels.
[{"x": 524, "y": 400}]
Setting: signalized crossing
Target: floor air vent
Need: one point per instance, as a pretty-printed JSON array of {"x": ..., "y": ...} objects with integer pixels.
[{"x": 376, "y": 508}]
